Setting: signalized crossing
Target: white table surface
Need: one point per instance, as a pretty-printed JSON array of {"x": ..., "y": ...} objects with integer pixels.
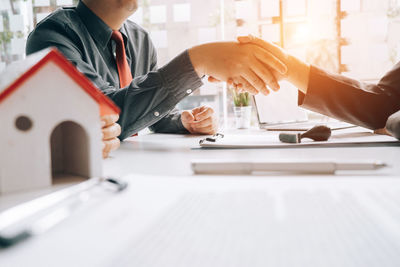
[
  {"x": 164, "y": 155},
  {"x": 171, "y": 154},
  {"x": 168, "y": 154}
]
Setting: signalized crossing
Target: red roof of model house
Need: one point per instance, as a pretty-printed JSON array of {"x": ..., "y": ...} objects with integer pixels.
[{"x": 36, "y": 61}]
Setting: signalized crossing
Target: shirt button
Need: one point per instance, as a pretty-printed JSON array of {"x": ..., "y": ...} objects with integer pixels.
[
  {"x": 156, "y": 113},
  {"x": 189, "y": 92}
]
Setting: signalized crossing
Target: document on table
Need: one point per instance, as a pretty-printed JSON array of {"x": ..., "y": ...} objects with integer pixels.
[
  {"x": 273, "y": 223},
  {"x": 346, "y": 137},
  {"x": 224, "y": 222}
]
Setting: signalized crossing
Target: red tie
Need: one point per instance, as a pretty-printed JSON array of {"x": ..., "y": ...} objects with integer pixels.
[{"x": 124, "y": 71}]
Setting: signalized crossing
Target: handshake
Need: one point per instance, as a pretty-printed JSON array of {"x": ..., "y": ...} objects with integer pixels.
[{"x": 252, "y": 65}]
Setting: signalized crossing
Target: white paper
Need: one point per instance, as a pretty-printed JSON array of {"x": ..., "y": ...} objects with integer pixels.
[
  {"x": 158, "y": 14},
  {"x": 227, "y": 221},
  {"x": 41, "y": 3},
  {"x": 159, "y": 39},
  {"x": 182, "y": 12},
  {"x": 137, "y": 17},
  {"x": 223, "y": 222},
  {"x": 16, "y": 23},
  {"x": 354, "y": 136}
]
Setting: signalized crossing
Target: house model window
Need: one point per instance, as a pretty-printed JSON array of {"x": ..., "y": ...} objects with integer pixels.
[{"x": 23, "y": 123}]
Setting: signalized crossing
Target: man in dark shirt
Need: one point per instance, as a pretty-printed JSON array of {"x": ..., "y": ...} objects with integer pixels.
[
  {"x": 373, "y": 106},
  {"x": 86, "y": 36}
]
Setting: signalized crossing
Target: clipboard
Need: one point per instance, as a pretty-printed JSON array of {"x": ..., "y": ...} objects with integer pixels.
[{"x": 347, "y": 137}]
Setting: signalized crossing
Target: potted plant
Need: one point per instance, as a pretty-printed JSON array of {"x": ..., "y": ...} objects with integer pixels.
[{"x": 242, "y": 109}]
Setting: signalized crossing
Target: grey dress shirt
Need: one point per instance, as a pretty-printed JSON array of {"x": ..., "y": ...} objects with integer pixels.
[{"x": 150, "y": 99}]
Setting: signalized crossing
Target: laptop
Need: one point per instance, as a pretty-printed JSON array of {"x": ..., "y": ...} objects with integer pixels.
[{"x": 279, "y": 111}]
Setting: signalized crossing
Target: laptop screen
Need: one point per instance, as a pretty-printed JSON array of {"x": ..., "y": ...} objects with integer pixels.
[{"x": 279, "y": 107}]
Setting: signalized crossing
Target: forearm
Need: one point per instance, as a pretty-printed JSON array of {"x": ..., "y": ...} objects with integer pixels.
[
  {"x": 196, "y": 55},
  {"x": 298, "y": 73}
]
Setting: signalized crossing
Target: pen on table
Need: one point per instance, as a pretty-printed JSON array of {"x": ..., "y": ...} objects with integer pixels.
[{"x": 306, "y": 167}]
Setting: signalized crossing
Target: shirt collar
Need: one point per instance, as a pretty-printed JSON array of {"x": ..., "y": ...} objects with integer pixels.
[{"x": 97, "y": 28}]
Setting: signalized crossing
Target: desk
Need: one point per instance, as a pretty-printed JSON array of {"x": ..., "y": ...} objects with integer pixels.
[
  {"x": 95, "y": 238},
  {"x": 171, "y": 155}
]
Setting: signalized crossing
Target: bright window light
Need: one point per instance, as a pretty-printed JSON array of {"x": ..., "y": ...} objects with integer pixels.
[
  {"x": 158, "y": 14},
  {"x": 1, "y": 24},
  {"x": 182, "y": 12},
  {"x": 137, "y": 16},
  {"x": 269, "y": 8},
  {"x": 244, "y": 9},
  {"x": 159, "y": 38},
  {"x": 271, "y": 33},
  {"x": 16, "y": 23},
  {"x": 42, "y": 3},
  {"x": 64, "y": 2},
  {"x": 41, "y": 16},
  {"x": 207, "y": 35},
  {"x": 296, "y": 8},
  {"x": 351, "y": 5},
  {"x": 17, "y": 46}
]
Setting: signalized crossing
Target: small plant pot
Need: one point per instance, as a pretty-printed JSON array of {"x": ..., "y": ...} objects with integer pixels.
[{"x": 242, "y": 117}]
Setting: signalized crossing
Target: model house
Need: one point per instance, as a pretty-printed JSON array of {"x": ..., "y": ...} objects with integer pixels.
[{"x": 50, "y": 123}]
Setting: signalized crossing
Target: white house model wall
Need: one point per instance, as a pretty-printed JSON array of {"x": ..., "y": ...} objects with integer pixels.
[{"x": 43, "y": 102}]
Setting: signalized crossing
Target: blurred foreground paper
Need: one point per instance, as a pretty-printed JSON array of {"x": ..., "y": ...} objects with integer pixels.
[
  {"x": 320, "y": 223},
  {"x": 227, "y": 221}
]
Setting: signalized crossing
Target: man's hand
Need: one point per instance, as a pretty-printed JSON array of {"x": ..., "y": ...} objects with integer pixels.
[
  {"x": 297, "y": 71},
  {"x": 111, "y": 130},
  {"x": 200, "y": 120},
  {"x": 249, "y": 64}
]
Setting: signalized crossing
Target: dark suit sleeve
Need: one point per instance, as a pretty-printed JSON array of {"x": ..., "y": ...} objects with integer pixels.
[
  {"x": 393, "y": 125},
  {"x": 366, "y": 105},
  {"x": 171, "y": 123}
]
